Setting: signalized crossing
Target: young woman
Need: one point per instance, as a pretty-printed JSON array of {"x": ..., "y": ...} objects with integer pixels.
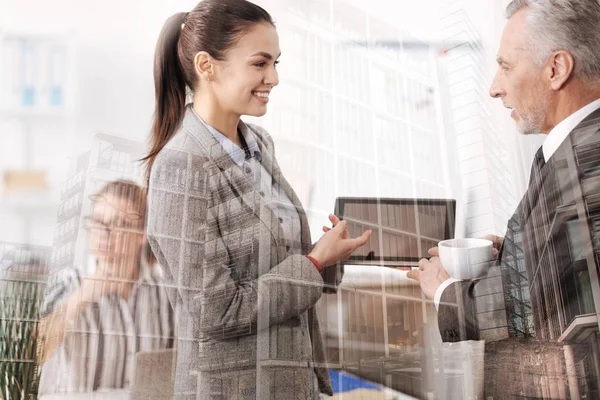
[
  {"x": 92, "y": 327},
  {"x": 223, "y": 221}
]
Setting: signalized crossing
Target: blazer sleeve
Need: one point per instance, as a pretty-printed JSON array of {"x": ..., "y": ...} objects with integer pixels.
[
  {"x": 184, "y": 233},
  {"x": 457, "y": 318}
]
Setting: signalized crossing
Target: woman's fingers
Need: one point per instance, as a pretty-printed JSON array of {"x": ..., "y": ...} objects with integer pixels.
[
  {"x": 340, "y": 226},
  {"x": 360, "y": 241},
  {"x": 334, "y": 219}
]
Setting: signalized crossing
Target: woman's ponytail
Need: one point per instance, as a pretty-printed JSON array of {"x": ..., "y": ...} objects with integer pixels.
[{"x": 169, "y": 88}]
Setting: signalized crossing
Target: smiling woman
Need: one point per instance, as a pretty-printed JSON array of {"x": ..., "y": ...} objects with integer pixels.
[
  {"x": 224, "y": 222},
  {"x": 196, "y": 51}
]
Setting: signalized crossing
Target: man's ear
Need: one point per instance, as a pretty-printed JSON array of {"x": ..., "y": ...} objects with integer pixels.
[{"x": 561, "y": 68}]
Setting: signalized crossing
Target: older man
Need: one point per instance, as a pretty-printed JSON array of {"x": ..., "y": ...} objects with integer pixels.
[{"x": 543, "y": 296}]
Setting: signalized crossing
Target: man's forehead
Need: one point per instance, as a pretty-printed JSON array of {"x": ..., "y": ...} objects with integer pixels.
[
  {"x": 514, "y": 30},
  {"x": 513, "y": 40},
  {"x": 509, "y": 55}
]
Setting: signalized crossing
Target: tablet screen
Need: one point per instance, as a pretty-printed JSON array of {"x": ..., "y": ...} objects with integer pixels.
[{"x": 403, "y": 229}]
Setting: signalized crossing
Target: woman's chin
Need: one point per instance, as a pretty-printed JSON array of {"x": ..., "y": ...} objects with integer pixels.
[{"x": 257, "y": 111}]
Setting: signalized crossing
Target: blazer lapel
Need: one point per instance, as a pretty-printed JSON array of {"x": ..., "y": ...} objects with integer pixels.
[
  {"x": 270, "y": 164},
  {"x": 232, "y": 172}
]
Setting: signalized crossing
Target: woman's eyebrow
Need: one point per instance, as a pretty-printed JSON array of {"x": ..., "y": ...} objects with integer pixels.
[{"x": 265, "y": 55}]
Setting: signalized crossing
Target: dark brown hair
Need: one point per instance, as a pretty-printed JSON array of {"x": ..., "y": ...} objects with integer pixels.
[{"x": 213, "y": 26}]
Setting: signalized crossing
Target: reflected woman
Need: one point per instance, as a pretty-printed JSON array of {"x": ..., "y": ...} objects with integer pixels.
[{"x": 92, "y": 327}]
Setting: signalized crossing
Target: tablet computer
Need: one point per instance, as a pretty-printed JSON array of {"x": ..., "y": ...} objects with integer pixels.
[{"x": 403, "y": 229}]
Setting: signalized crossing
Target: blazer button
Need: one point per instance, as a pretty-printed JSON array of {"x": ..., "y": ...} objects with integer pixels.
[
  {"x": 280, "y": 220},
  {"x": 261, "y": 193},
  {"x": 248, "y": 170},
  {"x": 287, "y": 248}
]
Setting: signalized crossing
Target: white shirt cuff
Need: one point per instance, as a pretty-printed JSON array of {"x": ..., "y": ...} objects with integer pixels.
[{"x": 438, "y": 293}]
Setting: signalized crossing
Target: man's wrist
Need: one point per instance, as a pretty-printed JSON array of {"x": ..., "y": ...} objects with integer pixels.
[{"x": 440, "y": 290}]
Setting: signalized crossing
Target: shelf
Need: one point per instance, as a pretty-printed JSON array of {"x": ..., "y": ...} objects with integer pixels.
[
  {"x": 31, "y": 201},
  {"x": 34, "y": 112}
]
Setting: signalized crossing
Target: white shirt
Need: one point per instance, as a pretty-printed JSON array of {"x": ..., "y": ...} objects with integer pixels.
[
  {"x": 555, "y": 138},
  {"x": 560, "y": 132}
]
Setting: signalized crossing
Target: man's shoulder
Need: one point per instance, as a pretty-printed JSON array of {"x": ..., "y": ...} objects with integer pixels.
[{"x": 588, "y": 130}]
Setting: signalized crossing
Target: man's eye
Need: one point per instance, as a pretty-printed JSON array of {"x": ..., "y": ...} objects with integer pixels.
[{"x": 261, "y": 64}]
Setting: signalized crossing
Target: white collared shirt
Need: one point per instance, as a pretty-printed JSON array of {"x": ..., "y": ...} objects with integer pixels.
[
  {"x": 555, "y": 138},
  {"x": 560, "y": 132}
]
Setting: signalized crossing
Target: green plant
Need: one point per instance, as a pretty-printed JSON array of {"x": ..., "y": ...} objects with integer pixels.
[{"x": 19, "y": 314}]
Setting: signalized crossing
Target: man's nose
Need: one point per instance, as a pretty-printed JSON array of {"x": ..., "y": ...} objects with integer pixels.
[{"x": 495, "y": 90}]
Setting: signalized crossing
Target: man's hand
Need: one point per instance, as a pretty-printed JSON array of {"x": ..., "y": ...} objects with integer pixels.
[
  {"x": 497, "y": 241},
  {"x": 430, "y": 275}
]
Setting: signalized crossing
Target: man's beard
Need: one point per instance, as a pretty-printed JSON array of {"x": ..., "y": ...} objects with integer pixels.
[{"x": 533, "y": 122}]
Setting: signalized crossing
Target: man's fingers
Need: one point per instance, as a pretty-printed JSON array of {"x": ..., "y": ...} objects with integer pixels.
[
  {"x": 414, "y": 274},
  {"x": 496, "y": 240},
  {"x": 434, "y": 251},
  {"x": 326, "y": 229},
  {"x": 422, "y": 263}
]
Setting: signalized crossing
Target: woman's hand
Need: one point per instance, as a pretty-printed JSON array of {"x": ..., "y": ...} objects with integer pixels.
[{"x": 336, "y": 244}]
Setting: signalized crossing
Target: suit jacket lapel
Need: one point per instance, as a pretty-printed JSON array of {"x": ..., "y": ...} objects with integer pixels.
[
  {"x": 270, "y": 164},
  {"x": 232, "y": 172}
]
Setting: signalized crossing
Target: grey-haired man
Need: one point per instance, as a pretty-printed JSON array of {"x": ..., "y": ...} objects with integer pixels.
[{"x": 538, "y": 306}]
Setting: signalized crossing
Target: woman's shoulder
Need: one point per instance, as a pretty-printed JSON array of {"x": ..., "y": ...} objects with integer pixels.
[
  {"x": 178, "y": 150},
  {"x": 261, "y": 133},
  {"x": 60, "y": 285}
]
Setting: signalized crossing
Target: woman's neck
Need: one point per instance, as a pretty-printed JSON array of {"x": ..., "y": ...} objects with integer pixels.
[{"x": 225, "y": 123}]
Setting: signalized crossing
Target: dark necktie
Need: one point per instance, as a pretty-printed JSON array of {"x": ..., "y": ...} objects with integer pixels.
[
  {"x": 538, "y": 164},
  {"x": 534, "y": 186}
]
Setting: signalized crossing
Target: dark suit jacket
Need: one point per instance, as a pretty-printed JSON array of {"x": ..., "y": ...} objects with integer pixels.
[
  {"x": 548, "y": 262},
  {"x": 246, "y": 322}
]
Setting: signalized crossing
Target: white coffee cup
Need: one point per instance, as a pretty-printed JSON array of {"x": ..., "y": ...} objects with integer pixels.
[{"x": 466, "y": 258}]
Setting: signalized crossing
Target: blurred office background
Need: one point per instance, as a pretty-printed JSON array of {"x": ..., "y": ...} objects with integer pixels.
[
  {"x": 376, "y": 99},
  {"x": 410, "y": 77}
]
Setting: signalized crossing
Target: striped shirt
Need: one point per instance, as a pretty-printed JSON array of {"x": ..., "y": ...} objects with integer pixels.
[{"x": 98, "y": 353}]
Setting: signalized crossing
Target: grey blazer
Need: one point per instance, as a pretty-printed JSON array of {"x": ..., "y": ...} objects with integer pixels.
[
  {"x": 526, "y": 302},
  {"x": 245, "y": 314}
]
